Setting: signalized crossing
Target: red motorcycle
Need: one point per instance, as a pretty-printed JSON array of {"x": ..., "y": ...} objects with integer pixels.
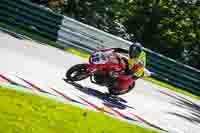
[{"x": 101, "y": 68}]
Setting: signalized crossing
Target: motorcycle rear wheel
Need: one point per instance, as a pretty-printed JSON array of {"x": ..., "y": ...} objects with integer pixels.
[
  {"x": 114, "y": 91},
  {"x": 77, "y": 72}
]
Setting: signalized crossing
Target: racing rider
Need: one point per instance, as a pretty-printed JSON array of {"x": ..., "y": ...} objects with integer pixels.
[{"x": 135, "y": 69}]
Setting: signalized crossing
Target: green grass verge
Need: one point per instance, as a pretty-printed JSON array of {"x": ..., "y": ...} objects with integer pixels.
[
  {"x": 27, "y": 113},
  {"x": 78, "y": 53}
]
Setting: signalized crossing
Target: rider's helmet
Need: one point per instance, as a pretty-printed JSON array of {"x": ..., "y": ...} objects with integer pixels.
[{"x": 134, "y": 50}]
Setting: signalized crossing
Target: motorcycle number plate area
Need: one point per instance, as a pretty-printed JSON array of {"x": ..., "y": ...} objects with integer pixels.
[
  {"x": 94, "y": 59},
  {"x": 98, "y": 58}
]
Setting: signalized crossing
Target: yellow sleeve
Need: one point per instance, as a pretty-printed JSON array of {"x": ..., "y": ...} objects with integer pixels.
[{"x": 142, "y": 62}]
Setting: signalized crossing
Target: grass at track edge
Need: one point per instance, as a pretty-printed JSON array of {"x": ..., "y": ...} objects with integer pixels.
[
  {"x": 84, "y": 55},
  {"x": 28, "y": 113}
]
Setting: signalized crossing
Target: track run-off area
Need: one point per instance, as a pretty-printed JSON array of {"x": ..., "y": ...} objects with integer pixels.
[{"x": 42, "y": 68}]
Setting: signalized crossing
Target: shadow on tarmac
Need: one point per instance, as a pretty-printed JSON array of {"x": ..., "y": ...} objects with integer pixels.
[
  {"x": 108, "y": 100},
  {"x": 192, "y": 108}
]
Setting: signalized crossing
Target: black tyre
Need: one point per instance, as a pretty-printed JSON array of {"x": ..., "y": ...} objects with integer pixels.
[
  {"x": 77, "y": 73},
  {"x": 114, "y": 91}
]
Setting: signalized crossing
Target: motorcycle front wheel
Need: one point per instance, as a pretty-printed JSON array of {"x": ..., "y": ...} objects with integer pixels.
[{"x": 77, "y": 72}]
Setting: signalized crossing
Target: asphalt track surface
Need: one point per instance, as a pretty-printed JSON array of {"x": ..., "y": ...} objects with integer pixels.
[{"x": 148, "y": 104}]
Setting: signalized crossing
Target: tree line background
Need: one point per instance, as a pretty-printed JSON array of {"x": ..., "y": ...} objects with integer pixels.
[{"x": 168, "y": 27}]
